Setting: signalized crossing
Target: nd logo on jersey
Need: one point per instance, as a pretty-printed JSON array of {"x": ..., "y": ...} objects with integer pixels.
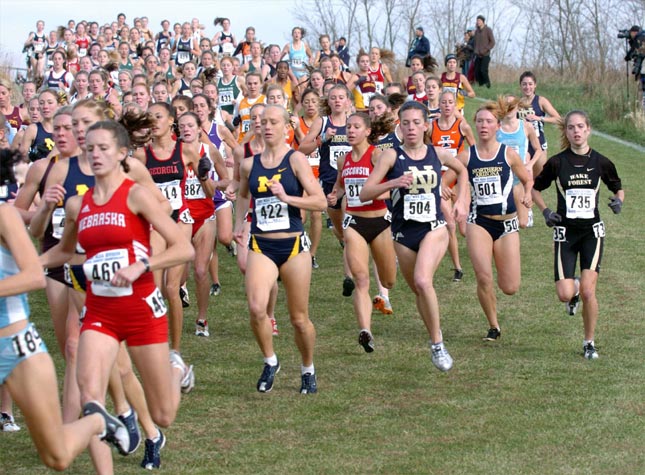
[
  {"x": 424, "y": 180},
  {"x": 263, "y": 180}
]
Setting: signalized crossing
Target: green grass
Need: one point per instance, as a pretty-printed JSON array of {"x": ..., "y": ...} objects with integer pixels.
[
  {"x": 608, "y": 107},
  {"x": 528, "y": 403}
]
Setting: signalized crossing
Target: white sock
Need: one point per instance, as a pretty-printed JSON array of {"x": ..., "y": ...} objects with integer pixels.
[
  {"x": 307, "y": 369},
  {"x": 271, "y": 360},
  {"x": 127, "y": 413},
  {"x": 156, "y": 439},
  {"x": 586, "y": 342}
]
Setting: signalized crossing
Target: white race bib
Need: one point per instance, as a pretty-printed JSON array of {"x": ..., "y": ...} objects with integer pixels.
[
  {"x": 421, "y": 207},
  {"x": 488, "y": 190},
  {"x": 271, "y": 214},
  {"x": 100, "y": 270},
  {"x": 353, "y": 187},
  {"x": 27, "y": 342},
  {"x": 156, "y": 303},
  {"x": 58, "y": 223},
  {"x": 336, "y": 152},
  {"x": 581, "y": 203},
  {"x": 193, "y": 189},
  {"x": 172, "y": 191}
]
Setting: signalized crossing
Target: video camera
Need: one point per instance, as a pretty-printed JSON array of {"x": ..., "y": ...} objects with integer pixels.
[{"x": 623, "y": 34}]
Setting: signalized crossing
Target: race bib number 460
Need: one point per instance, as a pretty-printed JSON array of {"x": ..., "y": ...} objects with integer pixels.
[{"x": 100, "y": 270}]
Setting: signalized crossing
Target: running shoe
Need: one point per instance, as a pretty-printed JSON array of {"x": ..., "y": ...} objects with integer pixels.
[
  {"x": 183, "y": 295},
  {"x": 201, "y": 328},
  {"x": 265, "y": 383},
  {"x": 493, "y": 334},
  {"x": 573, "y": 304},
  {"x": 188, "y": 375},
  {"x": 529, "y": 223},
  {"x": 440, "y": 357},
  {"x": 274, "y": 327},
  {"x": 329, "y": 224},
  {"x": 216, "y": 289},
  {"x": 115, "y": 433},
  {"x": 152, "y": 456},
  {"x": 130, "y": 423},
  {"x": 8, "y": 423},
  {"x": 308, "y": 385},
  {"x": 314, "y": 262},
  {"x": 382, "y": 304},
  {"x": 366, "y": 340},
  {"x": 232, "y": 249},
  {"x": 348, "y": 287},
  {"x": 590, "y": 352},
  {"x": 458, "y": 275}
]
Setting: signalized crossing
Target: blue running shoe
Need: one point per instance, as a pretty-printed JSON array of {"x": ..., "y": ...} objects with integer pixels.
[
  {"x": 309, "y": 385},
  {"x": 130, "y": 422},
  {"x": 152, "y": 456},
  {"x": 115, "y": 431},
  {"x": 265, "y": 383}
]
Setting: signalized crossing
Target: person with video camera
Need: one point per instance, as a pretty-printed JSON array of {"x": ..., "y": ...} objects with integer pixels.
[{"x": 635, "y": 47}]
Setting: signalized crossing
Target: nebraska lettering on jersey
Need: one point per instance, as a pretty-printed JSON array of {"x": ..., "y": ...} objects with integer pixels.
[{"x": 106, "y": 218}]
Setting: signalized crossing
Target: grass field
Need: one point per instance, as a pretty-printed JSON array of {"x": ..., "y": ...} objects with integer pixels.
[{"x": 528, "y": 403}]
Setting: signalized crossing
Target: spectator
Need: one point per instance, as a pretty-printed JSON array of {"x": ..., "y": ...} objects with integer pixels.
[
  {"x": 342, "y": 50},
  {"x": 484, "y": 43},
  {"x": 420, "y": 46}
]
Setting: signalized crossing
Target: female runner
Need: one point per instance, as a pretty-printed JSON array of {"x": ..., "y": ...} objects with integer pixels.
[
  {"x": 329, "y": 135},
  {"x": 448, "y": 131},
  {"x": 80, "y": 88},
  {"x": 198, "y": 191},
  {"x": 37, "y": 140},
  {"x": 379, "y": 72},
  {"x": 577, "y": 227},
  {"x": 58, "y": 78},
  {"x": 365, "y": 225},
  {"x": 521, "y": 137},
  {"x": 224, "y": 40},
  {"x": 28, "y": 370},
  {"x": 67, "y": 178},
  {"x": 167, "y": 161},
  {"x": 310, "y": 107},
  {"x": 538, "y": 112},
  {"x": 413, "y": 174},
  {"x": 457, "y": 83},
  {"x": 276, "y": 179},
  {"x": 492, "y": 230},
  {"x": 112, "y": 222},
  {"x": 299, "y": 54}
]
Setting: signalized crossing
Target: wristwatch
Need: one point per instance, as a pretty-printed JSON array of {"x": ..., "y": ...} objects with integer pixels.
[{"x": 146, "y": 263}]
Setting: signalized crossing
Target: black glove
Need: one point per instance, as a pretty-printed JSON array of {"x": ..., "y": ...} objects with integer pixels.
[
  {"x": 203, "y": 168},
  {"x": 236, "y": 121},
  {"x": 551, "y": 217},
  {"x": 615, "y": 204}
]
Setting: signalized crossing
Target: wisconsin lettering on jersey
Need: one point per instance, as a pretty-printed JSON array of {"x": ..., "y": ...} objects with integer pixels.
[
  {"x": 579, "y": 179},
  {"x": 356, "y": 171},
  {"x": 168, "y": 169},
  {"x": 102, "y": 219},
  {"x": 263, "y": 181},
  {"x": 424, "y": 180}
]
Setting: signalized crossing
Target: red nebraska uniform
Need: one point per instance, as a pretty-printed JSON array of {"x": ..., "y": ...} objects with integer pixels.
[
  {"x": 113, "y": 238},
  {"x": 354, "y": 176}
]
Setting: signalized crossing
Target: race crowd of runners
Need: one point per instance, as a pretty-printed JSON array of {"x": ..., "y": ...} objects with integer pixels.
[{"x": 134, "y": 152}]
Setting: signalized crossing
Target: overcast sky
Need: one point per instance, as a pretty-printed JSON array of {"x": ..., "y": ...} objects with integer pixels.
[{"x": 271, "y": 18}]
